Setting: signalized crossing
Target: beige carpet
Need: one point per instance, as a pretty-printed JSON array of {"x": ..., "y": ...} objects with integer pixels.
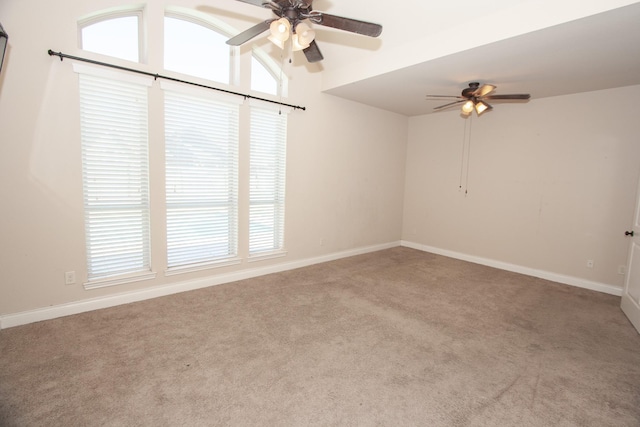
[{"x": 393, "y": 338}]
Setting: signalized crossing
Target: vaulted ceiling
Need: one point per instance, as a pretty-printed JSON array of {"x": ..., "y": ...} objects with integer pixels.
[{"x": 542, "y": 47}]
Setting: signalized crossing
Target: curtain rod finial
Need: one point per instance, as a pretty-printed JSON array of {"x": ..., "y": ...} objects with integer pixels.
[{"x": 52, "y": 53}]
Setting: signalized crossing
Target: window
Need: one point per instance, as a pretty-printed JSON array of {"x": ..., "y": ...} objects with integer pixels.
[
  {"x": 267, "y": 179},
  {"x": 196, "y": 50},
  {"x": 202, "y": 131},
  {"x": 261, "y": 78},
  {"x": 201, "y": 137},
  {"x": 117, "y": 36},
  {"x": 113, "y": 119}
]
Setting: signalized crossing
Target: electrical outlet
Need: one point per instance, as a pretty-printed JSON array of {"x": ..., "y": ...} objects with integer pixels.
[
  {"x": 622, "y": 270},
  {"x": 69, "y": 277},
  {"x": 589, "y": 263}
]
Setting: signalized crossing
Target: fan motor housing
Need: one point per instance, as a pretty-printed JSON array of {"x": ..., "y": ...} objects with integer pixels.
[{"x": 467, "y": 92}]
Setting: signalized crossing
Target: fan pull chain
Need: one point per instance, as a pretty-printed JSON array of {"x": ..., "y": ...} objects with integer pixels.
[
  {"x": 466, "y": 154},
  {"x": 282, "y": 59},
  {"x": 464, "y": 143},
  {"x": 466, "y": 190}
]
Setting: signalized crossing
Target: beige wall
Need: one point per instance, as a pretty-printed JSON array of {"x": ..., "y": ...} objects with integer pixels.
[
  {"x": 551, "y": 184},
  {"x": 345, "y": 164}
]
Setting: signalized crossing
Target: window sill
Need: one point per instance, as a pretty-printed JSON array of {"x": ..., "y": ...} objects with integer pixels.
[
  {"x": 266, "y": 256},
  {"x": 103, "y": 283},
  {"x": 172, "y": 271}
]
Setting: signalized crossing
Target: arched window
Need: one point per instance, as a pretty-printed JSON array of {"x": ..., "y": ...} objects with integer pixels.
[
  {"x": 196, "y": 48},
  {"x": 263, "y": 78},
  {"x": 115, "y": 33},
  {"x": 194, "y": 44}
]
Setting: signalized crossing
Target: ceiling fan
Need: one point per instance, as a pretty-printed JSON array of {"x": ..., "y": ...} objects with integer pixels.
[
  {"x": 291, "y": 14},
  {"x": 474, "y": 97}
]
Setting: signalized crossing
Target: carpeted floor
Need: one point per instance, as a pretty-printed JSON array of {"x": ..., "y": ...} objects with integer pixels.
[{"x": 393, "y": 338}]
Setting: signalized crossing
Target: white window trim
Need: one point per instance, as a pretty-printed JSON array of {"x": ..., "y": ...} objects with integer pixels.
[
  {"x": 226, "y": 262},
  {"x": 215, "y": 96},
  {"x": 206, "y": 20},
  {"x": 112, "y": 74},
  {"x": 137, "y": 10},
  {"x": 201, "y": 92},
  {"x": 276, "y": 70},
  {"x": 263, "y": 256},
  {"x": 280, "y": 252},
  {"x": 103, "y": 283},
  {"x": 131, "y": 78},
  {"x": 270, "y": 106}
]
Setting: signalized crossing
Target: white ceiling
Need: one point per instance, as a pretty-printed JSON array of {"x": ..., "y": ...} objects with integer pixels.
[
  {"x": 542, "y": 47},
  {"x": 600, "y": 51}
]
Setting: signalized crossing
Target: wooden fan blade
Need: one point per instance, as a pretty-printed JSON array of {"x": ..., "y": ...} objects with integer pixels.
[
  {"x": 445, "y": 96},
  {"x": 347, "y": 24},
  {"x": 252, "y": 32},
  {"x": 511, "y": 96},
  {"x": 484, "y": 90},
  {"x": 313, "y": 53},
  {"x": 451, "y": 104}
]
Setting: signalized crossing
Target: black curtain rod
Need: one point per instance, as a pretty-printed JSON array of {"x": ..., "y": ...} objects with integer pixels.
[{"x": 160, "y": 76}]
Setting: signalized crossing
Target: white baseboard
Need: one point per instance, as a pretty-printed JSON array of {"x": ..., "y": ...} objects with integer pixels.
[
  {"x": 554, "y": 277},
  {"x": 52, "y": 312},
  {"x": 47, "y": 313}
]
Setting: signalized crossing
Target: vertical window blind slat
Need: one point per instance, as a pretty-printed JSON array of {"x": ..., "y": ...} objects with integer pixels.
[{"x": 113, "y": 121}]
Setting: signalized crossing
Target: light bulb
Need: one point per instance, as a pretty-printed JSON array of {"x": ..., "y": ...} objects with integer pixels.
[
  {"x": 279, "y": 30},
  {"x": 467, "y": 107}
]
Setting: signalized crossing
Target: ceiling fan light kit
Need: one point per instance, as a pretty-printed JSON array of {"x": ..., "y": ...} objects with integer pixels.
[
  {"x": 482, "y": 107},
  {"x": 303, "y": 36},
  {"x": 475, "y": 96},
  {"x": 279, "y": 32},
  {"x": 467, "y": 107},
  {"x": 289, "y": 24}
]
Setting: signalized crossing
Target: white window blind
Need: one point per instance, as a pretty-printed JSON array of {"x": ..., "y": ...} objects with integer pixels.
[
  {"x": 113, "y": 118},
  {"x": 201, "y": 178},
  {"x": 267, "y": 179}
]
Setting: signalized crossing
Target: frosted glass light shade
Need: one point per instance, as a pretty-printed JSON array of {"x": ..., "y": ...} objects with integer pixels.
[
  {"x": 279, "y": 32},
  {"x": 482, "y": 107},
  {"x": 280, "y": 28},
  {"x": 305, "y": 35}
]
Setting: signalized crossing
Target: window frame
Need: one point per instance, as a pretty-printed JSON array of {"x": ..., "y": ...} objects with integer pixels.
[
  {"x": 137, "y": 11},
  {"x": 147, "y": 273},
  {"x": 236, "y": 78},
  {"x": 215, "y": 25},
  {"x": 212, "y": 26},
  {"x": 232, "y": 258},
  {"x": 276, "y": 71},
  {"x": 280, "y": 193}
]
